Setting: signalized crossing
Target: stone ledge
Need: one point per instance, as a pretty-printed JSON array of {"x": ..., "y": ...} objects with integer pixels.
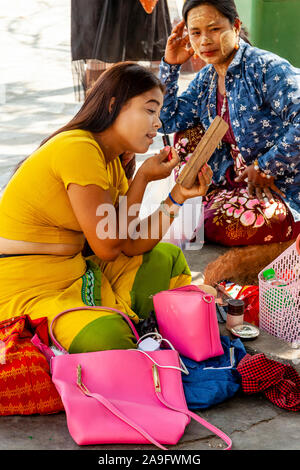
[{"x": 273, "y": 348}]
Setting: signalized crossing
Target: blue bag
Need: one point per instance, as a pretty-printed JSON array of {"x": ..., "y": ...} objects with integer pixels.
[{"x": 214, "y": 380}]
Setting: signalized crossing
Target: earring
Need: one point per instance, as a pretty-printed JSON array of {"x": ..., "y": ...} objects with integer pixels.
[
  {"x": 195, "y": 56},
  {"x": 236, "y": 47}
]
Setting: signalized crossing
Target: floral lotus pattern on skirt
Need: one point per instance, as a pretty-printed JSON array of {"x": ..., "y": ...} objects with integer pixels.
[{"x": 231, "y": 216}]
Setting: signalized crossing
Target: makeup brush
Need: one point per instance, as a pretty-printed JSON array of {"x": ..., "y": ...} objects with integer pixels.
[{"x": 166, "y": 141}]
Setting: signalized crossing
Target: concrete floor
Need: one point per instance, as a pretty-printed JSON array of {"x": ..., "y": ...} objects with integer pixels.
[{"x": 252, "y": 422}]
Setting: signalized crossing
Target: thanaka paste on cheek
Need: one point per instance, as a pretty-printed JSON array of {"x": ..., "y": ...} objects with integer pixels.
[
  {"x": 227, "y": 42},
  {"x": 195, "y": 47},
  {"x": 202, "y": 17}
]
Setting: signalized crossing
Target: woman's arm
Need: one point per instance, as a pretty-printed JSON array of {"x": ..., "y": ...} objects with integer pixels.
[
  {"x": 152, "y": 229},
  {"x": 178, "y": 113},
  {"x": 280, "y": 88},
  {"x": 108, "y": 231},
  {"x": 85, "y": 202}
]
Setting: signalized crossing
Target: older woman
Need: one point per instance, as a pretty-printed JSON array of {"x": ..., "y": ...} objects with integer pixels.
[{"x": 255, "y": 198}]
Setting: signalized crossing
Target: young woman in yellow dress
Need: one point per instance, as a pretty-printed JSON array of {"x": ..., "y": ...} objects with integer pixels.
[{"x": 69, "y": 191}]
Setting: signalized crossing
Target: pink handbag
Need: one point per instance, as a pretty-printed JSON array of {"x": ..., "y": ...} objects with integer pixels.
[
  {"x": 187, "y": 317},
  {"x": 123, "y": 396}
]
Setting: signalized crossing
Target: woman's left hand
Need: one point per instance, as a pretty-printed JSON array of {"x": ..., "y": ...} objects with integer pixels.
[
  {"x": 200, "y": 187},
  {"x": 259, "y": 185}
]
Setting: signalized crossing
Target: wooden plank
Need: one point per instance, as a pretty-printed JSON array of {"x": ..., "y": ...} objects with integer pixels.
[{"x": 203, "y": 152}]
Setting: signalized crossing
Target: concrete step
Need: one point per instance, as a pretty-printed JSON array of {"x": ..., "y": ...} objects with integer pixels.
[{"x": 272, "y": 347}]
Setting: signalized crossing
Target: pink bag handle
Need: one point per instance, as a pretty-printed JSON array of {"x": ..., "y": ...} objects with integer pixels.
[
  {"x": 208, "y": 298},
  {"x": 88, "y": 308}
]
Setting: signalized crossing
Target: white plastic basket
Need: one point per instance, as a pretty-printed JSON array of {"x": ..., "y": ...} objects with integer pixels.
[{"x": 279, "y": 307}]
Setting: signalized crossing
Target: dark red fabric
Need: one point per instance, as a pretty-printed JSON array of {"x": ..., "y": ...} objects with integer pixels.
[
  {"x": 25, "y": 382},
  {"x": 231, "y": 216},
  {"x": 40, "y": 327},
  {"x": 229, "y": 136},
  {"x": 279, "y": 382}
]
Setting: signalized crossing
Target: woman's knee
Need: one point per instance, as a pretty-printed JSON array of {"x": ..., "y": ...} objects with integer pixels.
[{"x": 165, "y": 254}]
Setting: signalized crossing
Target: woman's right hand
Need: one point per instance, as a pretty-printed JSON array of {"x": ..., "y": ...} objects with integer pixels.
[
  {"x": 159, "y": 166},
  {"x": 178, "y": 49}
]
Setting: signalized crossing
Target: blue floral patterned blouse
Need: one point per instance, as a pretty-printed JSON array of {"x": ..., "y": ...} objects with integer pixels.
[{"x": 263, "y": 92}]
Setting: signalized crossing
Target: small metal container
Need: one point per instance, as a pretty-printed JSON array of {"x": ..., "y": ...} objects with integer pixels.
[{"x": 245, "y": 331}]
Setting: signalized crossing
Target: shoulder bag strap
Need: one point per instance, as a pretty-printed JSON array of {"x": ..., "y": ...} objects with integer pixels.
[
  {"x": 200, "y": 420},
  {"x": 105, "y": 402},
  {"x": 88, "y": 308},
  {"x": 108, "y": 405},
  {"x": 186, "y": 411},
  {"x": 125, "y": 419}
]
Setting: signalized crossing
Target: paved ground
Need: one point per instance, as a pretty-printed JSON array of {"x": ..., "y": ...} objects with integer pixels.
[{"x": 36, "y": 98}]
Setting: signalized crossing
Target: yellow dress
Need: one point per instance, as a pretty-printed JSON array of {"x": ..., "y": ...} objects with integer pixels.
[{"x": 35, "y": 207}]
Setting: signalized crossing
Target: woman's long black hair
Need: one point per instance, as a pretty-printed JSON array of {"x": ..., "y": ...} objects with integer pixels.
[{"x": 122, "y": 81}]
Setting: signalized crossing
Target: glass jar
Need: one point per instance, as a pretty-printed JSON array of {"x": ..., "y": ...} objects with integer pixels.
[{"x": 235, "y": 313}]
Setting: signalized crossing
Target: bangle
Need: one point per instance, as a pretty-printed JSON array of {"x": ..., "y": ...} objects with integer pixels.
[
  {"x": 164, "y": 210},
  {"x": 256, "y": 166},
  {"x": 177, "y": 203}
]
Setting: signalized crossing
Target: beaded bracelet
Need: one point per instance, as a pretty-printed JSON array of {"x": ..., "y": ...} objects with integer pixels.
[
  {"x": 164, "y": 210},
  {"x": 177, "y": 203}
]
